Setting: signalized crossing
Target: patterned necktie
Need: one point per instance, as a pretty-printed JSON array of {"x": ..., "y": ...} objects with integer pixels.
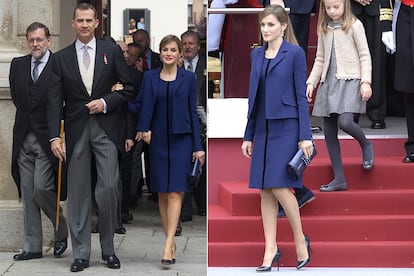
[
  {"x": 86, "y": 58},
  {"x": 36, "y": 70},
  {"x": 190, "y": 65}
]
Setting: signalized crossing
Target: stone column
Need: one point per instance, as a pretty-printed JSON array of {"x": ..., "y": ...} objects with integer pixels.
[
  {"x": 8, "y": 50},
  {"x": 13, "y": 44}
]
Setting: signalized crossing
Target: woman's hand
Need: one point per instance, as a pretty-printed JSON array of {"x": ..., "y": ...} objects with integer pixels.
[
  {"x": 366, "y": 91},
  {"x": 146, "y": 136},
  {"x": 200, "y": 155},
  {"x": 138, "y": 136},
  {"x": 307, "y": 147},
  {"x": 246, "y": 148}
]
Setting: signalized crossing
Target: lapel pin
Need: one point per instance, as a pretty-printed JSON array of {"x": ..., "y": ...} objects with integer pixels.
[{"x": 105, "y": 59}]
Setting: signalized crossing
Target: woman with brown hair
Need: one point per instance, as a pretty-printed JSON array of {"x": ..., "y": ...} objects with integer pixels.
[
  {"x": 169, "y": 124},
  {"x": 278, "y": 123}
]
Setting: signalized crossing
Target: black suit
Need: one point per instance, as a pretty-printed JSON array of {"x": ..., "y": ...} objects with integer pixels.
[
  {"x": 30, "y": 101},
  {"x": 300, "y": 13},
  {"x": 33, "y": 164},
  {"x": 88, "y": 134},
  {"x": 155, "y": 60},
  {"x": 404, "y": 64},
  {"x": 200, "y": 192},
  {"x": 369, "y": 16}
]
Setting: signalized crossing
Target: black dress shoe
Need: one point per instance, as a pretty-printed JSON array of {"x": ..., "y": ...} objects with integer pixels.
[
  {"x": 179, "y": 230},
  {"x": 79, "y": 265},
  {"x": 127, "y": 217},
  {"x": 95, "y": 229},
  {"x": 201, "y": 212},
  {"x": 120, "y": 229},
  {"x": 27, "y": 256},
  {"x": 60, "y": 247},
  {"x": 111, "y": 261},
  {"x": 409, "y": 158},
  {"x": 378, "y": 125},
  {"x": 186, "y": 219},
  {"x": 305, "y": 198},
  {"x": 316, "y": 129}
]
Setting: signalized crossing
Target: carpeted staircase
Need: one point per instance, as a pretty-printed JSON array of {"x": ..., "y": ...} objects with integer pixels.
[{"x": 370, "y": 225}]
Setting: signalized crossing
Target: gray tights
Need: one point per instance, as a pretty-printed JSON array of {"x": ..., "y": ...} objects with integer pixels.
[{"x": 345, "y": 121}]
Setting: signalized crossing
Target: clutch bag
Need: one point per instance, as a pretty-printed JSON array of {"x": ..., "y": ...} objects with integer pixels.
[
  {"x": 299, "y": 163},
  {"x": 195, "y": 173}
]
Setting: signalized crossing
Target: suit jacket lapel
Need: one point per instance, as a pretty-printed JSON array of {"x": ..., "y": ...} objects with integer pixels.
[
  {"x": 99, "y": 64},
  {"x": 284, "y": 47},
  {"x": 28, "y": 76},
  {"x": 74, "y": 67},
  {"x": 178, "y": 81},
  {"x": 260, "y": 59}
]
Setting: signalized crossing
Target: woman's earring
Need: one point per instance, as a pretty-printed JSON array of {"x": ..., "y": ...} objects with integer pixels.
[{"x": 283, "y": 34}]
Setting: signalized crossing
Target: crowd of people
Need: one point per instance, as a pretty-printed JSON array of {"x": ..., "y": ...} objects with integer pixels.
[{"x": 113, "y": 102}]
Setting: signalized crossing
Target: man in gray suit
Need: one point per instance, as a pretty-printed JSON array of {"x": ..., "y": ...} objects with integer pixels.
[
  {"x": 33, "y": 163},
  {"x": 82, "y": 76}
]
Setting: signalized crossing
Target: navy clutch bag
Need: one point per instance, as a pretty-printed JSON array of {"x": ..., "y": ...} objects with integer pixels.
[
  {"x": 298, "y": 163},
  {"x": 195, "y": 173}
]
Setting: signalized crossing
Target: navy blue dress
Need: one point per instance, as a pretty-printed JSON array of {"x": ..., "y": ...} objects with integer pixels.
[
  {"x": 170, "y": 154},
  {"x": 275, "y": 143}
]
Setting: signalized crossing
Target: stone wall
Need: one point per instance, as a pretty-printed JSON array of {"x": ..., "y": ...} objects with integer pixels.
[{"x": 15, "y": 16}]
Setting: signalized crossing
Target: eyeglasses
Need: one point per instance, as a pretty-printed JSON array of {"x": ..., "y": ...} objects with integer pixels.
[{"x": 37, "y": 39}]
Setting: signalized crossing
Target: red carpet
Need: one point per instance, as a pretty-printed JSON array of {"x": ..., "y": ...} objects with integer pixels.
[{"x": 370, "y": 225}]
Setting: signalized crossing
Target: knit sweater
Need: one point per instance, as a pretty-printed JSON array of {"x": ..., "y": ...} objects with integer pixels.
[{"x": 352, "y": 55}]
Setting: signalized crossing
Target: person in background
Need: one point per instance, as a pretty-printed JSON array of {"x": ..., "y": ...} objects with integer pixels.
[
  {"x": 80, "y": 92},
  {"x": 150, "y": 61},
  {"x": 34, "y": 167},
  {"x": 168, "y": 123},
  {"x": 277, "y": 122},
  {"x": 368, "y": 12},
  {"x": 196, "y": 63},
  {"x": 135, "y": 57},
  {"x": 132, "y": 175},
  {"x": 132, "y": 27},
  {"x": 141, "y": 24},
  {"x": 345, "y": 75},
  {"x": 404, "y": 60}
]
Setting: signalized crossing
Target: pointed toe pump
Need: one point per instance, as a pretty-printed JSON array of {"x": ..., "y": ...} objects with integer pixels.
[
  {"x": 276, "y": 258},
  {"x": 308, "y": 248}
]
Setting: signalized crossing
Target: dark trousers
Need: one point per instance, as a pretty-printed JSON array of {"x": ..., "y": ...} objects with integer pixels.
[
  {"x": 377, "y": 104},
  {"x": 409, "y": 109},
  {"x": 300, "y": 24},
  {"x": 131, "y": 175}
]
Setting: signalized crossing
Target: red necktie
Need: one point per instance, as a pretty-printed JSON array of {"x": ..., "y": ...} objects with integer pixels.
[{"x": 144, "y": 64}]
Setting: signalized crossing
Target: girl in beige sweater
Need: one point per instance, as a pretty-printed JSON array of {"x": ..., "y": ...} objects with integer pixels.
[{"x": 343, "y": 67}]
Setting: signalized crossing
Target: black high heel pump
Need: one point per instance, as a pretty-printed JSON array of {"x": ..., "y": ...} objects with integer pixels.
[
  {"x": 308, "y": 248},
  {"x": 276, "y": 258}
]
